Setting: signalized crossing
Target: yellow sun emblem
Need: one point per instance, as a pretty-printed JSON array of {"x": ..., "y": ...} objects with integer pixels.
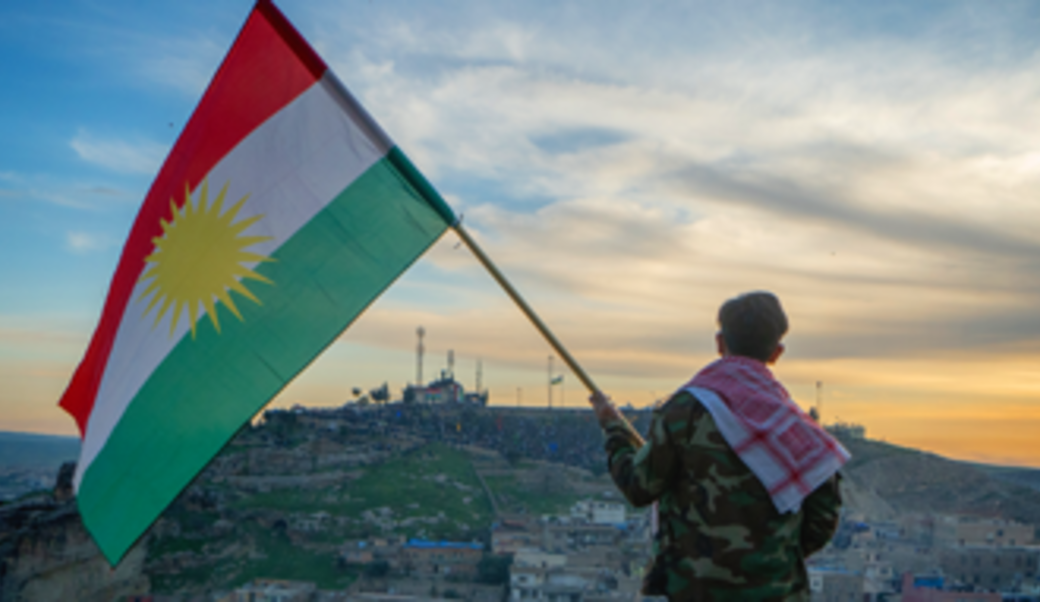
[{"x": 198, "y": 260}]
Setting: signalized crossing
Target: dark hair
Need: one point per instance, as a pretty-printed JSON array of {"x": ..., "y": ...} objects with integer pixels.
[{"x": 752, "y": 324}]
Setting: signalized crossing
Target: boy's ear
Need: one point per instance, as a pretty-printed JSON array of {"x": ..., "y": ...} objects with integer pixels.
[{"x": 776, "y": 353}]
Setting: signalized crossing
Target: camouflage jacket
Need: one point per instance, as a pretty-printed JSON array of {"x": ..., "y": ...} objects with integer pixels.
[{"x": 719, "y": 535}]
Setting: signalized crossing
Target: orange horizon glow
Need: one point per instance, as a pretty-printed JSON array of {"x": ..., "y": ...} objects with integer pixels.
[{"x": 977, "y": 410}]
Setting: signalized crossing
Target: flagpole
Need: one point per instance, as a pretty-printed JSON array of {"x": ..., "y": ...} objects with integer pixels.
[{"x": 524, "y": 307}]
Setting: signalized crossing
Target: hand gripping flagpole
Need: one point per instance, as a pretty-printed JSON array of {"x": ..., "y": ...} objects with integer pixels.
[{"x": 524, "y": 307}]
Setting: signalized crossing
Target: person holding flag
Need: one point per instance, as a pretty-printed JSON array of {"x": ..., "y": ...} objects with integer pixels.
[
  {"x": 281, "y": 213},
  {"x": 745, "y": 483}
]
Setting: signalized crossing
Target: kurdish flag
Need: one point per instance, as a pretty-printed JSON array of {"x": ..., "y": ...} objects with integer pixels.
[{"x": 281, "y": 213}]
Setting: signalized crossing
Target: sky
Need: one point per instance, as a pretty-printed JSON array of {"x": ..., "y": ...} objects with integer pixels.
[{"x": 629, "y": 166}]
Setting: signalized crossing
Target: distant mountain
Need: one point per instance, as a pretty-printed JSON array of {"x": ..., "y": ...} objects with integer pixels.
[{"x": 33, "y": 451}]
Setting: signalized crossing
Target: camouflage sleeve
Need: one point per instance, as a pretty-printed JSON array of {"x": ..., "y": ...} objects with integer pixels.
[
  {"x": 640, "y": 470},
  {"x": 821, "y": 512}
]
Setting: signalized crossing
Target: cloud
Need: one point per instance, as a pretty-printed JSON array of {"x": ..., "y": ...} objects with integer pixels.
[
  {"x": 65, "y": 192},
  {"x": 86, "y": 242},
  {"x": 29, "y": 332},
  {"x": 800, "y": 201},
  {"x": 156, "y": 50},
  {"x": 811, "y": 152},
  {"x": 185, "y": 64},
  {"x": 123, "y": 156},
  {"x": 570, "y": 141},
  {"x": 106, "y": 191}
]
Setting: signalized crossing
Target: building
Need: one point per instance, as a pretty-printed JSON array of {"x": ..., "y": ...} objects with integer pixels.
[
  {"x": 275, "y": 590},
  {"x": 879, "y": 579},
  {"x": 918, "y": 529},
  {"x": 530, "y": 557},
  {"x": 356, "y": 553},
  {"x": 310, "y": 523},
  {"x": 526, "y": 582},
  {"x": 990, "y": 567},
  {"x": 974, "y": 531},
  {"x": 445, "y": 390},
  {"x": 557, "y": 583},
  {"x": 557, "y": 537},
  {"x": 511, "y": 536},
  {"x": 932, "y": 589},
  {"x": 433, "y": 558},
  {"x": 598, "y": 512},
  {"x": 592, "y": 573},
  {"x": 835, "y": 585}
]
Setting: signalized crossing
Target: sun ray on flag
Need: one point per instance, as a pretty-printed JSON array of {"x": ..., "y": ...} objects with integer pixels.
[{"x": 200, "y": 257}]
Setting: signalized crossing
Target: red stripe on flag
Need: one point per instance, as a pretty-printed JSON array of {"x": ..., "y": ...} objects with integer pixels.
[
  {"x": 268, "y": 66},
  {"x": 292, "y": 38}
]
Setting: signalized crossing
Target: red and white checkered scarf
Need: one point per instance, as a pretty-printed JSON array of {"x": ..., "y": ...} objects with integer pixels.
[{"x": 785, "y": 448}]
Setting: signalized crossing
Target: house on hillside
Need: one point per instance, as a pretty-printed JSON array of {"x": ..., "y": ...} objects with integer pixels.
[
  {"x": 510, "y": 536},
  {"x": 441, "y": 558},
  {"x": 978, "y": 531},
  {"x": 933, "y": 589},
  {"x": 558, "y": 537},
  {"x": 598, "y": 512},
  {"x": 835, "y": 585},
  {"x": 275, "y": 590},
  {"x": 989, "y": 567}
]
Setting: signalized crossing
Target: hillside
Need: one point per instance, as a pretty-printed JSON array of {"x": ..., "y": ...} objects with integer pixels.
[
  {"x": 274, "y": 518},
  {"x": 1025, "y": 477},
  {"x": 283, "y": 498},
  {"x": 287, "y": 496},
  {"x": 915, "y": 481}
]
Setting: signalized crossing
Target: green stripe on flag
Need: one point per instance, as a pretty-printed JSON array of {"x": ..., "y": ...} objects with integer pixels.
[
  {"x": 324, "y": 276},
  {"x": 419, "y": 181}
]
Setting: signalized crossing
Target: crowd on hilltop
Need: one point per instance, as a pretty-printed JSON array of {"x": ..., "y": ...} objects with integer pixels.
[{"x": 568, "y": 436}]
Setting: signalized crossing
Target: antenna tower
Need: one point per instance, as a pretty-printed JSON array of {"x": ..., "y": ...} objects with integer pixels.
[
  {"x": 819, "y": 401},
  {"x": 420, "y": 332}
]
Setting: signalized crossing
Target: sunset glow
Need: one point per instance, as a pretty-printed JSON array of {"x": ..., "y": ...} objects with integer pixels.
[{"x": 629, "y": 167}]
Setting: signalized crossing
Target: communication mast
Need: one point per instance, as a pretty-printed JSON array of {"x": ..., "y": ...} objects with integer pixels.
[
  {"x": 450, "y": 374},
  {"x": 819, "y": 401},
  {"x": 420, "y": 332},
  {"x": 480, "y": 375}
]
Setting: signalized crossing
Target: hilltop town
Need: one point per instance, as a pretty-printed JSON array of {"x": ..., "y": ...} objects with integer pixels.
[{"x": 443, "y": 497}]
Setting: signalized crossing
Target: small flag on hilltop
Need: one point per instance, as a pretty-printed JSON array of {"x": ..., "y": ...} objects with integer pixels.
[{"x": 281, "y": 213}]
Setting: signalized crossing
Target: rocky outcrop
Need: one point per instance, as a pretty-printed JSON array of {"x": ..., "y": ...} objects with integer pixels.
[{"x": 46, "y": 554}]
